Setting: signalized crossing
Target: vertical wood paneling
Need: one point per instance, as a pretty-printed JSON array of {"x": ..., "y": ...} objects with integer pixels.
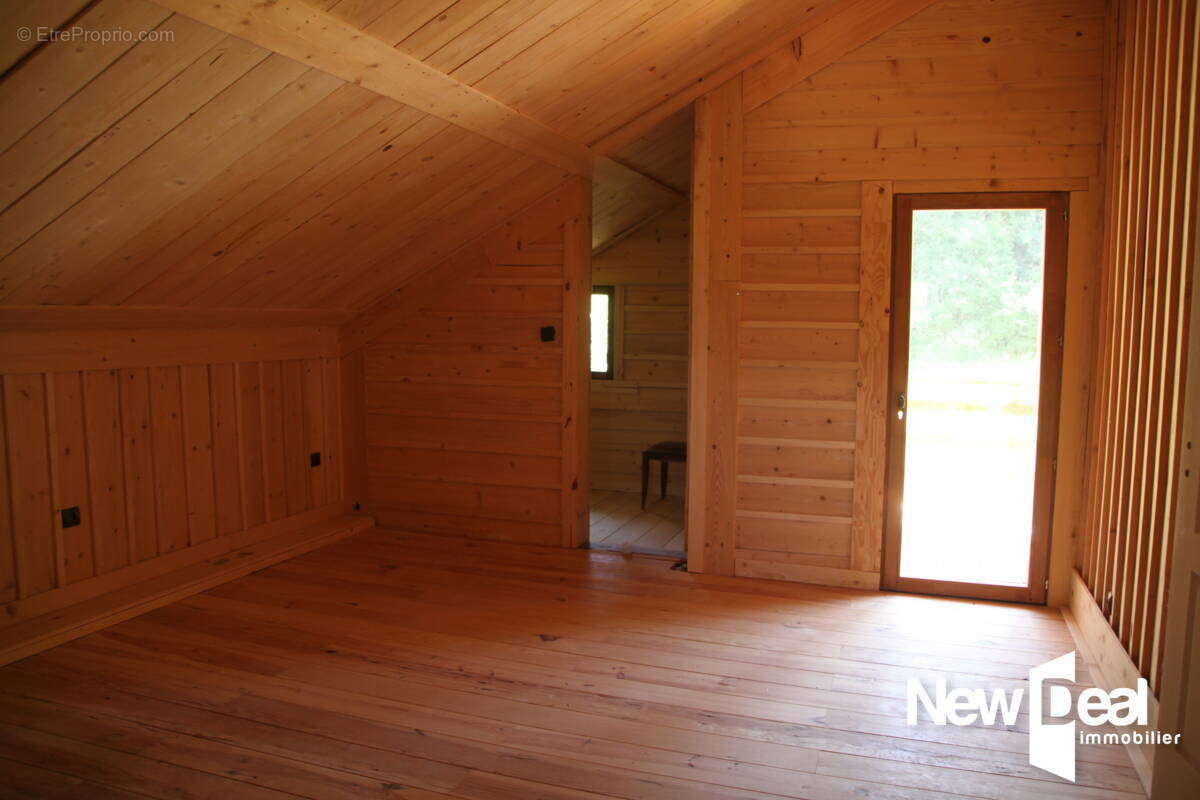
[
  {"x": 294, "y": 454},
  {"x": 334, "y": 458},
  {"x": 721, "y": 471},
  {"x": 227, "y": 461},
  {"x": 1136, "y": 595},
  {"x": 70, "y": 471},
  {"x": 575, "y": 461},
  {"x": 250, "y": 442},
  {"x": 1180, "y": 251},
  {"x": 351, "y": 377},
  {"x": 716, "y": 270},
  {"x": 314, "y": 429},
  {"x": 274, "y": 460},
  {"x": 29, "y": 482},
  {"x": 170, "y": 473},
  {"x": 1150, "y": 235},
  {"x": 139, "y": 464},
  {"x": 198, "y": 452},
  {"x": 156, "y": 461},
  {"x": 874, "y": 297},
  {"x": 8, "y": 563},
  {"x": 106, "y": 468}
]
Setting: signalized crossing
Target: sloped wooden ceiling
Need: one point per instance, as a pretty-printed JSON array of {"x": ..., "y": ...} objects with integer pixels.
[
  {"x": 198, "y": 169},
  {"x": 659, "y": 180}
]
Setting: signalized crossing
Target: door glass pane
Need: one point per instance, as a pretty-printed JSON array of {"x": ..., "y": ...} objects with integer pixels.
[{"x": 972, "y": 400}]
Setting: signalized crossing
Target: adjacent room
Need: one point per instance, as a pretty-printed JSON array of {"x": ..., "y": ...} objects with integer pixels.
[
  {"x": 563, "y": 399},
  {"x": 641, "y": 263}
]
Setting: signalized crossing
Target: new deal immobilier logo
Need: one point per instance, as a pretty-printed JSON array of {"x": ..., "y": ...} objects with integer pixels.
[{"x": 1051, "y": 745}]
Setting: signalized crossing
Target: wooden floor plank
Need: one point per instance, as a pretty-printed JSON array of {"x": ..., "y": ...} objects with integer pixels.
[
  {"x": 619, "y": 522},
  {"x": 22, "y": 781},
  {"x": 403, "y": 665}
]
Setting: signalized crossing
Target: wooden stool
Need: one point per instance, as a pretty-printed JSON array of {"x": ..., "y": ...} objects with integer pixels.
[{"x": 664, "y": 452}]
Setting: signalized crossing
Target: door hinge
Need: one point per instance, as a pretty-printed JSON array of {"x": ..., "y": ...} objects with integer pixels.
[
  {"x": 1046, "y": 585},
  {"x": 1054, "y": 465},
  {"x": 1061, "y": 340}
]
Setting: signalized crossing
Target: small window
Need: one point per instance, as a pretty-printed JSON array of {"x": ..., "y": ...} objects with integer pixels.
[{"x": 602, "y": 332}]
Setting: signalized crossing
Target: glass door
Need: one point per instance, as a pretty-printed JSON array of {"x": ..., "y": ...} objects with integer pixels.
[{"x": 978, "y": 298}]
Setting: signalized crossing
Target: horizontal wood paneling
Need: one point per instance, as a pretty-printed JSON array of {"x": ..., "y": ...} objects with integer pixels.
[
  {"x": 464, "y": 402},
  {"x": 29, "y": 350},
  {"x": 158, "y": 460},
  {"x": 964, "y": 95},
  {"x": 797, "y": 382},
  {"x": 646, "y": 401}
]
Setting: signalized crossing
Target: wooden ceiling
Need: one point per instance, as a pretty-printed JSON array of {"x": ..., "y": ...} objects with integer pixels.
[{"x": 203, "y": 170}]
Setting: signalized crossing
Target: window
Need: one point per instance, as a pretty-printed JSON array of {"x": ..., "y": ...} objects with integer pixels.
[{"x": 602, "y": 332}]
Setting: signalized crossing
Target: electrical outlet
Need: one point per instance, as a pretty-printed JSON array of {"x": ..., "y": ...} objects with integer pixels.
[{"x": 71, "y": 517}]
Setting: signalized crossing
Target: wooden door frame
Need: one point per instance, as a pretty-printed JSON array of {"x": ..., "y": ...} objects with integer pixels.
[
  {"x": 576, "y": 479},
  {"x": 1049, "y": 395}
]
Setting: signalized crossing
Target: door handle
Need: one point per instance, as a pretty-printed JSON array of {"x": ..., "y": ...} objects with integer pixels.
[{"x": 901, "y": 405}]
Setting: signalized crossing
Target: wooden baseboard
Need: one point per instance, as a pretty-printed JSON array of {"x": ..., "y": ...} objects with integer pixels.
[
  {"x": 48, "y": 630},
  {"x": 1110, "y": 665},
  {"x": 778, "y": 567}
]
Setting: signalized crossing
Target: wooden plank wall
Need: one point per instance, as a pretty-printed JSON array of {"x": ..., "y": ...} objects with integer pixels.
[
  {"x": 161, "y": 459},
  {"x": 467, "y": 410},
  {"x": 646, "y": 401},
  {"x": 967, "y": 95},
  {"x": 1149, "y": 245}
]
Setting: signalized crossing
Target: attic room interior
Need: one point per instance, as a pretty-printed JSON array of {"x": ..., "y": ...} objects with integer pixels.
[{"x": 565, "y": 399}]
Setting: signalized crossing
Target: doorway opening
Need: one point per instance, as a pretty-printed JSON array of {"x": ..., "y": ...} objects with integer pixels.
[
  {"x": 641, "y": 265},
  {"x": 978, "y": 296}
]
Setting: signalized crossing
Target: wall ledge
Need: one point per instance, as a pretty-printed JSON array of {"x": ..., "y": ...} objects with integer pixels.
[{"x": 239, "y": 555}]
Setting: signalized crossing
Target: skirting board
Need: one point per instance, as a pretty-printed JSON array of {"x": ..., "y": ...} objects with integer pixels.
[
  {"x": 776, "y": 566},
  {"x": 40, "y": 633},
  {"x": 1110, "y": 664}
]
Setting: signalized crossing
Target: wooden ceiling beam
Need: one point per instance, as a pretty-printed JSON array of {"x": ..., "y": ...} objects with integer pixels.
[
  {"x": 320, "y": 40},
  {"x": 314, "y": 37}
]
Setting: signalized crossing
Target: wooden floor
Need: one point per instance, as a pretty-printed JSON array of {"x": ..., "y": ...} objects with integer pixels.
[
  {"x": 404, "y": 666},
  {"x": 618, "y": 522}
]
